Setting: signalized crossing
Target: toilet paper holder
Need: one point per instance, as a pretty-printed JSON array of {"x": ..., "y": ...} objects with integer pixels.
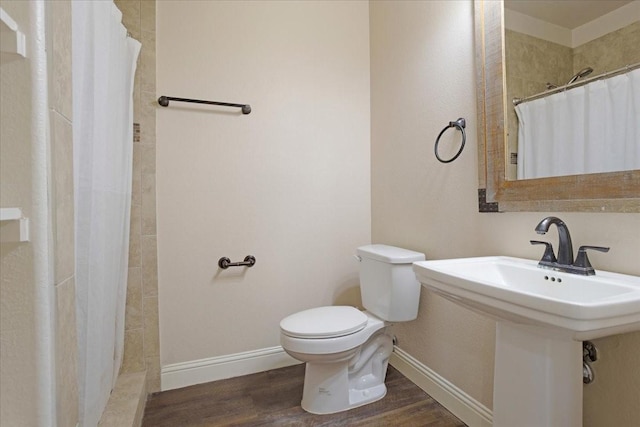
[{"x": 224, "y": 262}]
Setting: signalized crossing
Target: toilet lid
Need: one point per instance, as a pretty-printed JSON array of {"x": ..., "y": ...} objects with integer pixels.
[{"x": 324, "y": 322}]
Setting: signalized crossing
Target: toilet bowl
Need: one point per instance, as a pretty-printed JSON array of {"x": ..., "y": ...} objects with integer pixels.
[
  {"x": 347, "y": 350},
  {"x": 344, "y": 370}
]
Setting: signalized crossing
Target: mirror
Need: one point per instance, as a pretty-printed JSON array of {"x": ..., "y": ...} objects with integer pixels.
[
  {"x": 598, "y": 192},
  {"x": 552, "y": 47}
]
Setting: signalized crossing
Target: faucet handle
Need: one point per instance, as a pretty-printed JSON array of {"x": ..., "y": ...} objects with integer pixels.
[
  {"x": 582, "y": 260},
  {"x": 548, "y": 255}
]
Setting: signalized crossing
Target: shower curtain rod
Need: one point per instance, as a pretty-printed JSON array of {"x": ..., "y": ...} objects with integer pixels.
[
  {"x": 164, "y": 101},
  {"x": 602, "y": 76}
]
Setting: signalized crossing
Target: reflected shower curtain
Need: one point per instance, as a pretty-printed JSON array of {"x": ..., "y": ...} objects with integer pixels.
[
  {"x": 104, "y": 63},
  {"x": 589, "y": 129}
]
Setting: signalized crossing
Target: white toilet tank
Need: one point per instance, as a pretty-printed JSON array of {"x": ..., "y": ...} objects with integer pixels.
[{"x": 388, "y": 284}]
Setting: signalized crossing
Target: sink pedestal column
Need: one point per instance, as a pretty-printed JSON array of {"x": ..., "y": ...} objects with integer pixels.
[{"x": 538, "y": 378}]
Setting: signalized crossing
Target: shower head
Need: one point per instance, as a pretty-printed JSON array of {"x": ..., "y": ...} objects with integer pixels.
[{"x": 580, "y": 74}]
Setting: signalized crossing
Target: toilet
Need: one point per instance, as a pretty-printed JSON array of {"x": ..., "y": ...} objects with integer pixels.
[{"x": 347, "y": 350}]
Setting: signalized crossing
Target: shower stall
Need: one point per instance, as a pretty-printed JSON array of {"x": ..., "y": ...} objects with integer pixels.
[{"x": 63, "y": 281}]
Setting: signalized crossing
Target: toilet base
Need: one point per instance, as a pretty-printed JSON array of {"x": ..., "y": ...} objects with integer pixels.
[
  {"x": 327, "y": 392},
  {"x": 347, "y": 384}
]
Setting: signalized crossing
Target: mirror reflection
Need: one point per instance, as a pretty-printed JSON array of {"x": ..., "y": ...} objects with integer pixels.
[{"x": 573, "y": 69}]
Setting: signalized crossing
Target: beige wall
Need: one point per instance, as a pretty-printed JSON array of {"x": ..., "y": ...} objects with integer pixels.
[
  {"x": 288, "y": 183},
  {"x": 422, "y": 77}
]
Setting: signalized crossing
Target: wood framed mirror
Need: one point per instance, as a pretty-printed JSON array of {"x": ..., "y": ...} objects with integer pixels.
[{"x": 598, "y": 192}]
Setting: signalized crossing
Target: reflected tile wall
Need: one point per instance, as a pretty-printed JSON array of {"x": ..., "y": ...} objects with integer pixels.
[{"x": 609, "y": 52}]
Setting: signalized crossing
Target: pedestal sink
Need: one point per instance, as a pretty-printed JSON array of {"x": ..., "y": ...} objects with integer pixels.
[{"x": 541, "y": 318}]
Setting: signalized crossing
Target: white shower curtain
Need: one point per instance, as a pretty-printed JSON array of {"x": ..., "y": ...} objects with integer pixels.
[
  {"x": 104, "y": 63},
  {"x": 589, "y": 129}
]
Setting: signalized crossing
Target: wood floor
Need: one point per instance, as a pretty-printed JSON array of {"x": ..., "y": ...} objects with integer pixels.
[{"x": 273, "y": 398}]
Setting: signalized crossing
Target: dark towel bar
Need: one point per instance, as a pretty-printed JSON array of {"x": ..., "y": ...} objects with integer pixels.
[{"x": 164, "y": 101}]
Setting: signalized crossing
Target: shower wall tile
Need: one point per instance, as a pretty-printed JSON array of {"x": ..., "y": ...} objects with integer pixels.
[
  {"x": 149, "y": 266},
  {"x": 130, "y": 16},
  {"x": 148, "y": 62},
  {"x": 134, "y": 310},
  {"x": 62, "y": 141},
  {"x": 136, "y": 189},
  {"x": 139, "y": 17},
  {"x": 62, "y": 200},
  {"x": 126, "y": 403},
  {"x": 149, "y": 103},
  {"x": 147, "y": 159},
  {"x": 133, "y": 360},
  {"x": 148, "y": 204},
  {"x": 609, "y": 52},
  {"x": 630, "y": 48},
  {"x": 536, "y": 62},
  {"x": 151, "y": 332},
  {"x": 61, "y": 58},
  {"x": 148, "y": 15},
  {"x": 66, "y": 355},
  {"x": 136, "y": 94},
  {"x": 135, "y": 238},
  {"x": 153, "y": 371}
]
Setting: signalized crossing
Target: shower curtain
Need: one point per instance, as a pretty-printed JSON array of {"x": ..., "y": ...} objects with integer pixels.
[
  {"x": 104, "y": 63},
  {"x": 589, "y": 129}
]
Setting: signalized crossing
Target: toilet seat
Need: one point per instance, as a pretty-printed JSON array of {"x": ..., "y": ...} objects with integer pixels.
[
  {"x": 324, "y": 322},
  {"x": 332, "y": 345}
]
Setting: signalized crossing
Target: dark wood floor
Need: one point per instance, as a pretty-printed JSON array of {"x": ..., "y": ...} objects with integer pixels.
[{"x": 273, "y": 398}]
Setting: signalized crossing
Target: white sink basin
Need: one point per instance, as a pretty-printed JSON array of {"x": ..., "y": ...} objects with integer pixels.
[
  {"x": 517, "y": 290},
  {"x": 541, "y": 317}
]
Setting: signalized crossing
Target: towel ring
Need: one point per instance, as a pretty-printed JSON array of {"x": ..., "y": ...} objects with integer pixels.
[{"x": 460, "y": 124}]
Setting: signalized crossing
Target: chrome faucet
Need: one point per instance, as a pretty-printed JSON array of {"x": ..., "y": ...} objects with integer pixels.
[{"x": 564, "y": 261}]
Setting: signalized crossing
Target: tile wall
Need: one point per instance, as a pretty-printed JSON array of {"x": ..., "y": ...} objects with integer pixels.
[
  {"x": 611, "y": 51},
  {"x": 61, "y": 109},
  {"x": 141, "y": 323}
]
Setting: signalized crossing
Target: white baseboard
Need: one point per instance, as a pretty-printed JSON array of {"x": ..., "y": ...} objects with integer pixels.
[
  {"x": 459, "y": 403},
  {"x": 184, "y": 374}
]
